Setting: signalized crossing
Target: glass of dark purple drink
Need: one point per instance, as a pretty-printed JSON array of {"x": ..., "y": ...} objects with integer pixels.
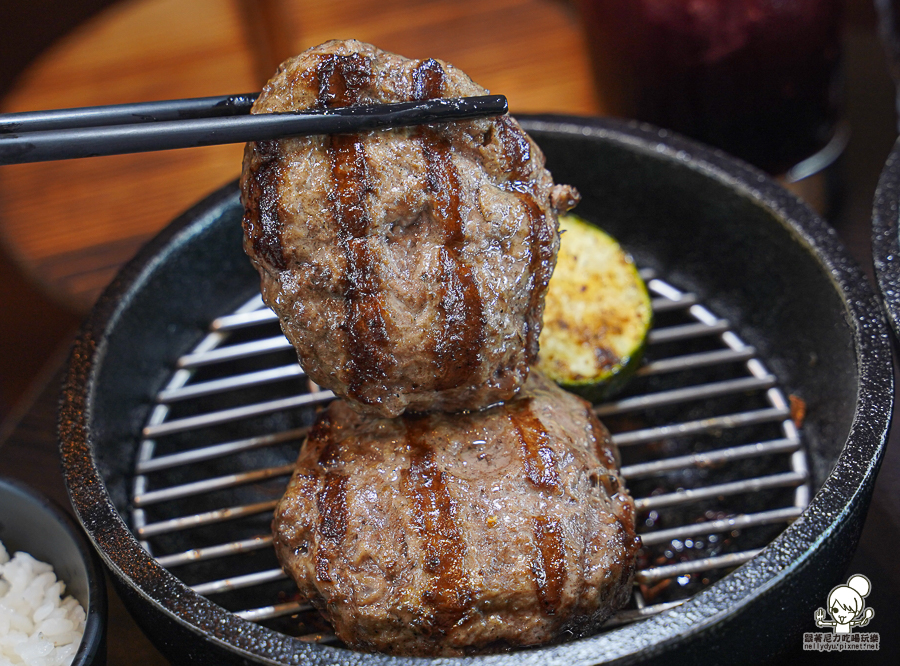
[{"x": 757, "y": 78}]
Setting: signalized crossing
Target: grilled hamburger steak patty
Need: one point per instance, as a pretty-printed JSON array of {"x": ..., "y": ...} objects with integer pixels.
[
  {"x": 456, "y": 534},
  {"x": 408, "y": 267}
]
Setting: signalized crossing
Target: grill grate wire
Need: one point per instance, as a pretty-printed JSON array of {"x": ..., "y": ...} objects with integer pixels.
[{"x": 676, "y": 434}]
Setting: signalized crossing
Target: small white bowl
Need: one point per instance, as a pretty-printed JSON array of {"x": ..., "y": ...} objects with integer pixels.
[{"x": 32, "y": 523}]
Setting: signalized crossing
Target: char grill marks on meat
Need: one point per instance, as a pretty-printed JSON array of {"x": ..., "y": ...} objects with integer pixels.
[
  {"x": 457, "y": 344},
  {"x": 408, "y": 268},
  {"x": 434, "y": 518},
  {"x": 264, "y": 229},
  {"x": 458, "y": 534},
  {"x": 395, "y": 259}
]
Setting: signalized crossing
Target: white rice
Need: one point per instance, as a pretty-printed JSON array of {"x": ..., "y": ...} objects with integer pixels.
[{"x": 38, "y": 626}]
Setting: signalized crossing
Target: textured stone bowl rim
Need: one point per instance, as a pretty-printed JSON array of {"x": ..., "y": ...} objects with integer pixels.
[{"x": 846, "y": 488}]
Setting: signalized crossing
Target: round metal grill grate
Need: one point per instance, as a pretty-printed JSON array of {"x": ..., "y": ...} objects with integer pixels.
[{"x": 709, "y": 451}]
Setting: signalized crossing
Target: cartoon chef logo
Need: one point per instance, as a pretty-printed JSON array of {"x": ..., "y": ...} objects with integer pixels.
[{"x": 847, "y": 606}]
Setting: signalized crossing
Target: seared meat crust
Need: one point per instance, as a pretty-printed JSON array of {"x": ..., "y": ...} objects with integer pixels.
[
  {"x": 459, "y": 534},
  {"x": 408, "y": 267}
]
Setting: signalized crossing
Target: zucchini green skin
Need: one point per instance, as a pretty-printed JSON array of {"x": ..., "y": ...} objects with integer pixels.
[{"x": 597, "y": 314}]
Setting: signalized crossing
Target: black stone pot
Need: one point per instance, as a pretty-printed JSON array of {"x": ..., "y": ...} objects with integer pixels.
[
  {"x": 749, "y": 249},
  {"x": 886, "y": 236}
]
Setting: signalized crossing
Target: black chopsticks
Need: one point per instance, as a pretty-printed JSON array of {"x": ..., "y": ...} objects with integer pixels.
[
  {"x": 127, "y": 114},
  {"x": 205, "y": 121}
]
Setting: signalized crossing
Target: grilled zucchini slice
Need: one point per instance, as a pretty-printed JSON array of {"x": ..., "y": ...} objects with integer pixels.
[{"x": 597, "y": 313}]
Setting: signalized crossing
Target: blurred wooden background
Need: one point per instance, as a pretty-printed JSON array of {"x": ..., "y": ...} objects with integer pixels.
[
  {"x": 158, "y": 49},
  {"x": 66, "y": 227}
]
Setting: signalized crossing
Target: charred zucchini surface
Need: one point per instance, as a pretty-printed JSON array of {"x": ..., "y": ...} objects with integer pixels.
[{"x": 597, "y": 313}]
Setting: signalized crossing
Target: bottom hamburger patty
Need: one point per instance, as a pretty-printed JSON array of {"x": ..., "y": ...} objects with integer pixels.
[{"x": 452, "y": 534}]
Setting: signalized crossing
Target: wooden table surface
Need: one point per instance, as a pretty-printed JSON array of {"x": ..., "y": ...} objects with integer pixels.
[
  {"x": 70, "y": 225},
  {"x": 95, "y": 213}
]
